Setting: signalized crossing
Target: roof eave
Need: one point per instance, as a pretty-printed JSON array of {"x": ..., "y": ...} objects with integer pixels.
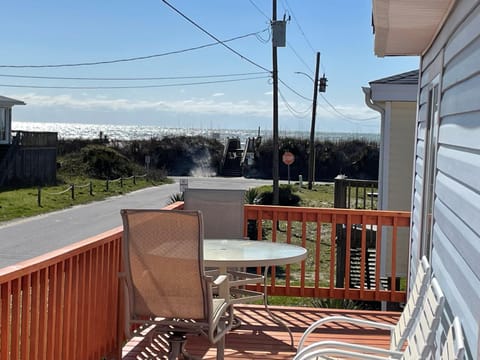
[{"x": 406, "y": 27}]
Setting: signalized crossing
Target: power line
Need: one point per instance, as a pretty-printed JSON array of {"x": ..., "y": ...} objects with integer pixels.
[
  {"x": 259, "y": 10},
  {"x": 293, "y": 90},
  {"x": 293, "y": 111},
  {"x": 137, "y": 57},
  {"x": 343, "y": 115},
  {"x": 130, "y": 78},
  {"x": 214, "y": 37},
  {"x": 299, "y": 57},
  {"x": 132, "y": 87},
  {"x": 287, "y": 5}
]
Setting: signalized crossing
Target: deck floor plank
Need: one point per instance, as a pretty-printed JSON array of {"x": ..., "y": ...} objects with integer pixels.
[{"x": 259, "y": 337}]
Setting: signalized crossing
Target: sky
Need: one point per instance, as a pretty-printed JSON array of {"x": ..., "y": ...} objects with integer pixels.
[{"x": 191, "y": 64}]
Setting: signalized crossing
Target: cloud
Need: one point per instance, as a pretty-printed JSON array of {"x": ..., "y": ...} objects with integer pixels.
[
  {"x": 192, "y": 105},
  {"x": 196, "y": 106}
]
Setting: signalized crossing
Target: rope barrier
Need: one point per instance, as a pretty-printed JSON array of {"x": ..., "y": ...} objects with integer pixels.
[{"x": 72, "y": 187}]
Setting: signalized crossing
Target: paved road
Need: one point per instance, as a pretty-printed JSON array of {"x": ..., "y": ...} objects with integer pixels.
[{"x": 27, "y": 238}]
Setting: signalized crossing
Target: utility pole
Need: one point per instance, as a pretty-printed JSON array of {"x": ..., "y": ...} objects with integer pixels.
[
  {"x": 311, "y": 154},
  {"x": 275, "y": 158}
]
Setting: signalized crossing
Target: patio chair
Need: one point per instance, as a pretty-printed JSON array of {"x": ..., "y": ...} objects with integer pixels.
[
  {"x": 164, "y": 280},
  {"x": 223, "y": 217},
  {"x": 420, "y": 341},
  {"x": 398, "y": 332},
  {"x": 454, "y": 347}
]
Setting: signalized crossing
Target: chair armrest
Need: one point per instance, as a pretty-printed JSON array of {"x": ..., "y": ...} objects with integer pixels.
[
  {"x": 220, "y": 279},
  {"x": 346, "y": 349},
  {"x": 346, "y": 319}
]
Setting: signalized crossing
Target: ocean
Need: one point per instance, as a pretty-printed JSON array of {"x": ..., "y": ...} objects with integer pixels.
[{"x": 140, "y": 132}]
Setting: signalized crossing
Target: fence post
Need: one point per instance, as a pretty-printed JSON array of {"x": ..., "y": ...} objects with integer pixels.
[
  {"x": 39, "y": 197},
  {"x": 91, "y": 188},
  {"x": 340, "y": 201},
  {"x": 121, "y": 182},
  {"x": 106, "y": 185},
  {"x": 73, "y": 191},
  {"x": 340, "y": 192},
  {"x": 134, "y": 180}
]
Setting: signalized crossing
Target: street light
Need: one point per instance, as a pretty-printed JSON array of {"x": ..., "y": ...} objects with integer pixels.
[{"x": 323, "y": 85}]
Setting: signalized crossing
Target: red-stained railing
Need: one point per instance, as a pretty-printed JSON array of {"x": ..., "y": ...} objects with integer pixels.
[
  {"x": 62, "y": 305},
  {"x": 66, "y": 304},
  {"x": 332, "y": 236}
]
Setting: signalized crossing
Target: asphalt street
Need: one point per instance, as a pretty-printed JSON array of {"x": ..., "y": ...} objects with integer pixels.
[{"x": 26, "y": 238}]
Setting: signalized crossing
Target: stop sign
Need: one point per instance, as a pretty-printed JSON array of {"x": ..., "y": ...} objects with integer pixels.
[{"x": 288, "y": 158}]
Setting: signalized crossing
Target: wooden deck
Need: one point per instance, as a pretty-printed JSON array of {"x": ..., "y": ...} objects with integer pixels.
[{"x": 260, "y": 338}]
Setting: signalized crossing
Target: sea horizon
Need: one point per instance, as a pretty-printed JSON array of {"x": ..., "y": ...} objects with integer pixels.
[{"x": 145, "y": 132}]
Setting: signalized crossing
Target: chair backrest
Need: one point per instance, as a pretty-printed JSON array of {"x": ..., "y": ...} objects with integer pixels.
[
  {"x": 420, "y": 342},
  {"x": 163, "y": 260},
  {"x": 454, "y": 347},
  {"x": 412, "y": 307},
  {"x": 222, "y": 211}
]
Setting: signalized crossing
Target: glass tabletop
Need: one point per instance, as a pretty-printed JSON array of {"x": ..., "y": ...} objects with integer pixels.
[{"x": 245, "y": 253}]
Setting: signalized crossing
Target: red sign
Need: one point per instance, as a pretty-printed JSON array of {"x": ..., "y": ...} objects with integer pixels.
[{"x": 288, "y": 158}]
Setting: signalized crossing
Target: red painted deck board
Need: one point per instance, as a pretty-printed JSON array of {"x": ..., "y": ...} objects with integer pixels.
[{"x": 260, "y": 338}]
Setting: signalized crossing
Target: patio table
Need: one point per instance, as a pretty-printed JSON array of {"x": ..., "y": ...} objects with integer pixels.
[{"x": 228, "y": 253}]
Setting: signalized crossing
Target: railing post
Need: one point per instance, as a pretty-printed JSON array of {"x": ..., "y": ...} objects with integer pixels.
[
  {"x": 340, "y": 192},
  {"x": 91, "y": 188},
  {"x": 340, "y": 201},
  {"x": 72, "y": 187},
  {"x": 134, "y": 180}
]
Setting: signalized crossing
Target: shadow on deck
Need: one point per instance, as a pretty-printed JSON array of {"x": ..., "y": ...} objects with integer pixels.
[{"x": 260, "y": 338}]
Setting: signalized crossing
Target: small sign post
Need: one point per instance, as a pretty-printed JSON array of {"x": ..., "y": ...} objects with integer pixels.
[{"x": 288, "y": 158}]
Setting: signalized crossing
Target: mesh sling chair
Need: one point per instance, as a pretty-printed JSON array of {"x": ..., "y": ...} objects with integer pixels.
[
  {"x": 164, "y": 278},
  {"x": 398, "y": 332},
  {"x": 223, "y": 217}
]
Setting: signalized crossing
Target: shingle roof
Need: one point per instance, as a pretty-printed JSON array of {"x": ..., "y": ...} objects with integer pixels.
[
  {"x": 409, "y": 77},
  {"x": 9, "y": 101}
]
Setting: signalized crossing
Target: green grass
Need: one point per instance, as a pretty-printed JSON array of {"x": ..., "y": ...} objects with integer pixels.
[{"x": 22, "y": 203}]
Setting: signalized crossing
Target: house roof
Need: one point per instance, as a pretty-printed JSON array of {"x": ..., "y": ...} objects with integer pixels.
[
  {"x": 400, "y": 87},
  {"x": 407, "y": 27},
  {"x": 409, "y": 77},
  {"x": 9, "y": 102}
]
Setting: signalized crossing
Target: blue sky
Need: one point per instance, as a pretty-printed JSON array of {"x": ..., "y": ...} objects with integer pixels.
[{"x": 54, "y": 32}]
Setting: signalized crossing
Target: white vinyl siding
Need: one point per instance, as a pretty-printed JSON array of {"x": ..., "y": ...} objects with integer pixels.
[{"x": 456, "y": 233}]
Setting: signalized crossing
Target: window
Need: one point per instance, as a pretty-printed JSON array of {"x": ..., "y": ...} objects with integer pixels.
[
  {"x": 3, "y": 125},
  {"x": 430, "y": 157}
]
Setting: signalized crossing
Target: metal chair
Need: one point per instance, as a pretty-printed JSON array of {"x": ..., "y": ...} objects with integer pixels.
[{"x": 164, "y": 278}]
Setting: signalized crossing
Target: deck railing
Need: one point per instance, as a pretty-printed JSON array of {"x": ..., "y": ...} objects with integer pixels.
[
  {"x": 62, "y": 305},
  {"x": 66, "y": 304},
  {"x": 325, "y": 232}
]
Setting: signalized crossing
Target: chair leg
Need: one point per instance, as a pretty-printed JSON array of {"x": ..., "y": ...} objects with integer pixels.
[
  {"x": 221, "y": 348},
  {"x": 177, "y": 343}
]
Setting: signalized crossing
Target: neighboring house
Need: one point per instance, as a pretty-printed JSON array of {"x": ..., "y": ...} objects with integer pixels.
[
  {"x": 395, "y": 98},
  {"x": 27, "y": 158},
  {"x": 6, "y": 105},
  {"x": 446, "y": 188}
]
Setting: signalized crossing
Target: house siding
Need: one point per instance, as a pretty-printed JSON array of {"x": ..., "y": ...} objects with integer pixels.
[{"x": 456, "y": 232}]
